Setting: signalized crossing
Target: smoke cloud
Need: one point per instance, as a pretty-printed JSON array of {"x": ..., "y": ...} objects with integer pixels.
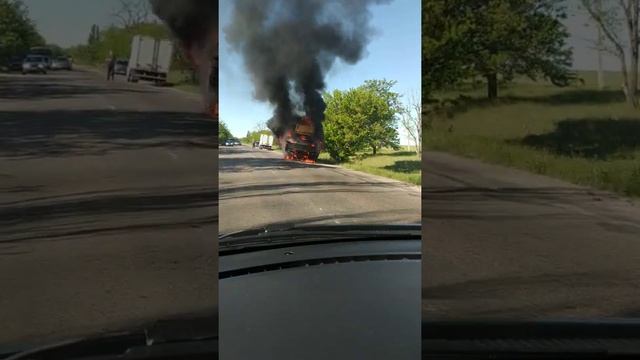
[
  {"x": 289, "y": 45},
  {"x": 195, "y": 25}
]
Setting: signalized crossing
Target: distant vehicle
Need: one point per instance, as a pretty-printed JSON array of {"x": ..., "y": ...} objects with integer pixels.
[
  {"x": 121, "y": 67},
  {"x": 34, "y": 64},
  {"x": 237, "y": 142},
  {"x": 15, "y": 63},
  {"x": 266, "y": 142},
  {"x": 150, "y": 59},
  {"x": 228, "y": 142},
  {"x": 43, "y": 51},
  {"x": 61, "y": 63}
]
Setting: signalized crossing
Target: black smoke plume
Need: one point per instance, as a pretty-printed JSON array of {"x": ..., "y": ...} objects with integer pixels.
[
  {"x": 195, "y": 24},
  {"x": 289, "y": 45}
]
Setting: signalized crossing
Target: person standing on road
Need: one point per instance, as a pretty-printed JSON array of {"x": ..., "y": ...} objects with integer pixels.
[{"x": 111, "y": 67}]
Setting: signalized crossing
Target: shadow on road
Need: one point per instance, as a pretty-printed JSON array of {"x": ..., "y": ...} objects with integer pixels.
[
  {"x": 470, "y": 203},
  {"x": 44, "y": 88},
  {"x": 27, "y": 134},
  {"x": 384, "y": 217},
  {"x": 90, "y": 213},
  {"x": 247, "y": 164},
  {"x": 311, "y": 187}
]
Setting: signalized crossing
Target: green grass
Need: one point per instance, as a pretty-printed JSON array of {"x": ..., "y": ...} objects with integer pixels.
[
  {"x": 400, "y": 165},
  {"x": 182, "y": 80},
  {"x": 578, "y": 134}
]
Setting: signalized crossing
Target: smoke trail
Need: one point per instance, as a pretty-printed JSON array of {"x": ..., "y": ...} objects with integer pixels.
[
  {"x": 195, "y": 24},
  {"x": 289, "y": 45}
]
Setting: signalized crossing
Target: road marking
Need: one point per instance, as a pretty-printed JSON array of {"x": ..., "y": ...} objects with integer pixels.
[
  {"x": 173, "y": 155},
  {"x": 112, "y": 108}
]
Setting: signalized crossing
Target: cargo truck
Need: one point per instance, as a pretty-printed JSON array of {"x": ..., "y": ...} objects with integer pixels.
[
  {"x": 150, "y": 59},
  {"x": 300, "y": 145},
  {"x": 266, "y": 142}
]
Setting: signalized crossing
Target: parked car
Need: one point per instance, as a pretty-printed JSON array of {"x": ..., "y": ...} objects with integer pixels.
[
  {"x": 61, "y": 63},
  {"x": 228, "y": 143},
  {"x": 34, "y": 64},
  {"x": 237, "y": 142},
  {"x": 121, "y": 67},
  {"x": 15, "y": 63}
]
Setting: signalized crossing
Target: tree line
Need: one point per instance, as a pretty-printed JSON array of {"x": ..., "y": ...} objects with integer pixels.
[
  {"x": 116, "y": 40},
  {"x": 495, "y": 40},
  {"x": 18, "y": 33},
  {"x": 362, "y": 119}
]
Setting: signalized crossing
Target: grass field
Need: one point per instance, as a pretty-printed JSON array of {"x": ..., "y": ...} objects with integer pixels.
[
  {"x": 181, "y": 80},
  {"x": 579, "y": 134},
  {"x": 399, "y": 165}
]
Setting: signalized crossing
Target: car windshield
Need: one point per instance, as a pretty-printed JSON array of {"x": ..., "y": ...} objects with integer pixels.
[
  {"x": 108, "y": 196},
  {"x": 290, "y": 171}
]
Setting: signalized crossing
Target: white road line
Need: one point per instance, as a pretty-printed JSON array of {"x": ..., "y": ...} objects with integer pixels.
[{"x": 172, "y": 154}]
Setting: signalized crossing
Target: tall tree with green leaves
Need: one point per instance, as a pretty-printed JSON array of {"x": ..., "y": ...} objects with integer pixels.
[
  {"x": 223, "y": 132},
  {"x": 610, "y": 17},
  {"x": 18, "y": 33},
  {"x": 382, "y": 130},
  {"x": 361, "y": 118},
  {"x": 496, "y": 39}
]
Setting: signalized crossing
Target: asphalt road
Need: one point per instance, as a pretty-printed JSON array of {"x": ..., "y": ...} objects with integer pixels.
[
  {"x": 108, "y": 206},
  {"x": 259, "y": 188},
  {"x": 502, "y": 243}
]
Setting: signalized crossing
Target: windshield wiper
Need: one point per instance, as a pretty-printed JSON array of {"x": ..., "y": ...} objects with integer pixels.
[{"x": 271, "y": 238}]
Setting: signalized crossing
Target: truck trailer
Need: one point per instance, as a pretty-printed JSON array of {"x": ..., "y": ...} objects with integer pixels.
[{"x": 150, "y": 59}]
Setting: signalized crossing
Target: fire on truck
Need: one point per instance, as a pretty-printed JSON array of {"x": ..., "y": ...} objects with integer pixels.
[{"x": 300, "y": 144}]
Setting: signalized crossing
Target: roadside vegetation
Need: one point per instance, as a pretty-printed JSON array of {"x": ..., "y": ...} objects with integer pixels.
[
  {"x": 398, "y": 164},
  {"x": 18, "y": 32},
  {"x": 572, "y": 125},
  {"x": 132, "y": 17},
  {"x": 361, "y": 131}
]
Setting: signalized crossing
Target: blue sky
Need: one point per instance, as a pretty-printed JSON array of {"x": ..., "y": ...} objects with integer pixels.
[{"x": 394, "y": 54}]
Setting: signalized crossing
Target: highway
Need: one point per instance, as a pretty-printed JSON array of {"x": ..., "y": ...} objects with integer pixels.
[
  {"x": 108, "y": 205},
  {"x": 258, "y": 189},
  {"x": 505, "y": 244}
]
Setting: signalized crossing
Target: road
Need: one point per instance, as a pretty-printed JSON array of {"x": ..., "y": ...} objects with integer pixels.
[
  {"x": 259, "y": 188},
  {"x": 502, "y": 243},
  {"x": 108, "y": 205}
]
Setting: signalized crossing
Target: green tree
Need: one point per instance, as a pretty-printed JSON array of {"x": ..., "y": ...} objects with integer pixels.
[
  {"x": 223, "y": 132},
  {"x": 495, "y": 39},
  {"x": 446, "y": 28},
  {"x": 382, "y": 129},
  {"x": 609, "y": 17},
  {"x": 360, "y": 118},
  {"x": 253, "y": 136},
  {"x": 17, "y": 31}
]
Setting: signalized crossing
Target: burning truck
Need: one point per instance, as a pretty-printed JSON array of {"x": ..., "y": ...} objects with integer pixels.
[{"x": 300, "y": 143}]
